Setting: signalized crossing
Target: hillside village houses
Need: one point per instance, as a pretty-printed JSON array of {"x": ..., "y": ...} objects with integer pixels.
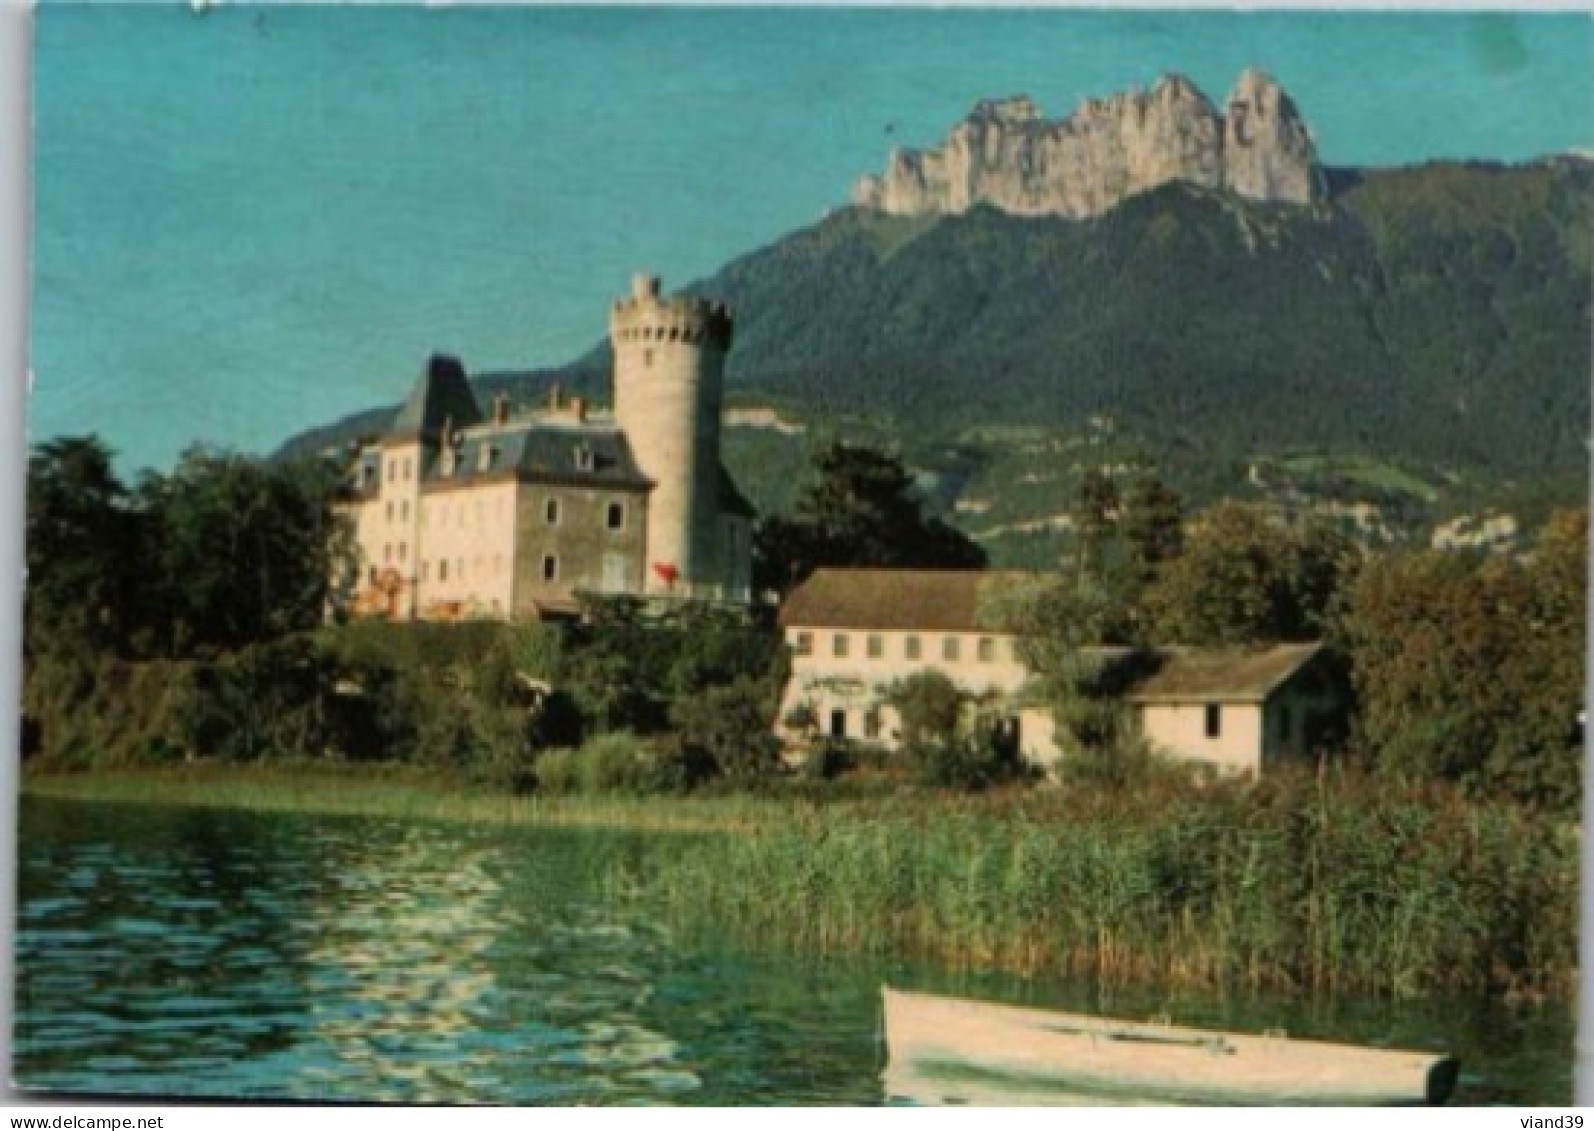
[
  {"x": 854, "y": 633},
  {"x": 457, "y": 513}
]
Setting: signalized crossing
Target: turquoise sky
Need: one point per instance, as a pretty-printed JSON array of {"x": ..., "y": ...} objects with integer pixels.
[{"x": 259, "y": 219}]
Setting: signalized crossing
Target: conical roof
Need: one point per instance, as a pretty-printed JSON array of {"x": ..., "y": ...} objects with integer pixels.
[{"x": 441, "y": 395}]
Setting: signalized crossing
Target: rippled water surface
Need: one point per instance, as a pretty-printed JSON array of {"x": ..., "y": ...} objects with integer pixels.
[{"x": 178, "y": 951}]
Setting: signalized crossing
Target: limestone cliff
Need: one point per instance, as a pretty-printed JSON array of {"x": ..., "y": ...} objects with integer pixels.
[{"x": 1005, "y": 154}]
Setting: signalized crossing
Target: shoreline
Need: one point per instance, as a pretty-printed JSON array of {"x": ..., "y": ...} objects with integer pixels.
[{"x": 398, "y": 792}]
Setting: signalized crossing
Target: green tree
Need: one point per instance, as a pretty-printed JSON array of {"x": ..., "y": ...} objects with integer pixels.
[
  {"x": 858, "y": 510},
  {"x": 246, "y": 550},
  {"x": 83, "y": 549},
  {"x": 1471, "y": 668},
  {"x": 1242, "y": 578},
  {"x": 731, "y": 728}
]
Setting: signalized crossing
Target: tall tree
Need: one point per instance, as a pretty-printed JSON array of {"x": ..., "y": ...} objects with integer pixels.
[
  {"x": 857, "y": 510},
  {"x": 246, "y": 550},
  {"x": 1242, "y": 578},
  {"x": 82, "y": 553},
  {"x": 1471, "y": 668}
]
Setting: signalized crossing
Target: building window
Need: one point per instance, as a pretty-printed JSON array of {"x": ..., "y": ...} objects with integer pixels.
[
  {"x": 871, "y": 723},
  {"x": 404, "y": 511},
  {"x": 387, "y": 552},
  {"x": 949, "y": 648},
  {"x": 838, "y": 724},
  {"x": 875, "y": 646},
  {"x": 550, "y": 567},
  {"x": 407, "y": 469},
  {"x": 442, "y": 569},
  {"x": 647, "y": 359},
  {"x": 910, "y": 648},
  {"x": 390, "y": 510},
  {"x": 805, "y": 644},
  {"x": 550, "y": 512},
  {"x": 839, "y": 645},
  {"x": 986, "y": 650},
  {"x": 392, "y": 469},
  {"x": 404, "y": 549},
  {"x": 583, "y": 455},
  {"x": 1214, "y": 720},
  {"x": 616, "y": 516},
  {"x": 487, "y": 457}
]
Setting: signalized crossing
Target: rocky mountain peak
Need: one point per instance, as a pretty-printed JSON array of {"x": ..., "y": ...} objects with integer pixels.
[{"x": 1007, "y": 155}]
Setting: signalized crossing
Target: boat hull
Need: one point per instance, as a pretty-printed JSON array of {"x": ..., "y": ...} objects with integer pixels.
[{"x": 953, "y": 1050}]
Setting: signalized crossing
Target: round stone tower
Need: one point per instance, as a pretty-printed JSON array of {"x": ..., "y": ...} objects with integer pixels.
[{"x": 669, "y": 365}]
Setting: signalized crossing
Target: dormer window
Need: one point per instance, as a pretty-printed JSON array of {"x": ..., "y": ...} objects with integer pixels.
[
  {"x": 445, "y": 461},
  {"x": 584, "y": 460},
  {"x": 487, "y": 456}
]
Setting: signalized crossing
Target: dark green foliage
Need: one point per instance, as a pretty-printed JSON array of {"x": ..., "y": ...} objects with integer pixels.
[
  {"x": 858, "y": 510},
  {"x": 83, "y": 547},
  {"x": 929, "y": 708},
  {"x": 730, "y": 729},
  {"x": 1472, "y": 669},
  {"x": 1242, "y": 579}
]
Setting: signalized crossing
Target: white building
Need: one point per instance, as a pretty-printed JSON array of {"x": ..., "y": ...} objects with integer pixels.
[{"x": 854, "y": 633}]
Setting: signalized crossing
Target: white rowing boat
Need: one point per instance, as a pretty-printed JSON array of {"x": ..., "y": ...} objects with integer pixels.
[{"x": 952, "y": 1050}]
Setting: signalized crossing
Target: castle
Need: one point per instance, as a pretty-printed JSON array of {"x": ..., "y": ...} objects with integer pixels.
[{"x": 456, "y": 513}]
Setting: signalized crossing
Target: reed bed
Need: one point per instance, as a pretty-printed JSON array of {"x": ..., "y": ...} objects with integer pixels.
[
  {"x": 400, "y": 792},
  {"x": 1313, "y": 886}
]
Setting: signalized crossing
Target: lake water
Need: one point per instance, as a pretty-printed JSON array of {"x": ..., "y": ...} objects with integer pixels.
[{"x": 205, "y": 952}]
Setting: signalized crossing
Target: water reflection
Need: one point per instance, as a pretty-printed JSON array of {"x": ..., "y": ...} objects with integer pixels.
[{"x": 274, "y": 956}]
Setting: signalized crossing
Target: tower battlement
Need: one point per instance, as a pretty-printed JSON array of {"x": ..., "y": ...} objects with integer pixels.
[{"x": 647, "y": 316}]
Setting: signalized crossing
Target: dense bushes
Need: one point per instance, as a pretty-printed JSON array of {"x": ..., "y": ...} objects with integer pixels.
[{"x": 511, "y": 706}]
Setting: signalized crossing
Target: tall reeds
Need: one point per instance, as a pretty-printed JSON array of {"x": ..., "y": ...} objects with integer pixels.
[{"x": 1317, "y": 886}]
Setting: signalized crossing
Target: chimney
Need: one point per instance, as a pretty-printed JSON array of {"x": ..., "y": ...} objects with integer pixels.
[{"x": 644, "y": 286}]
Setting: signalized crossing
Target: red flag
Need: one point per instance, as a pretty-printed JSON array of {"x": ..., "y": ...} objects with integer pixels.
[{"x": 667, "y": 571}]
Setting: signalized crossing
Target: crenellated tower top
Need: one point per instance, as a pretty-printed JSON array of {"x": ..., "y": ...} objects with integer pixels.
[{"x": 647, "y": 316}]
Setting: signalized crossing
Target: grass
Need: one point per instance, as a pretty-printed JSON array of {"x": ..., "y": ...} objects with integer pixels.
[
  {"x": 391, "y": 791},
  {"x": 1320, "y": 886}
]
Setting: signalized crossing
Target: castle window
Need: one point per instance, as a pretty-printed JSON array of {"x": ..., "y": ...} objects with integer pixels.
[
  {"x": 392, "y": 469},
  {"x": 910, "y": 648},
  {"x": 407, "y": 469},
  {"x": 875, "y": 646},
  {"x": 805, "y": 644},
  {"x": 840, "y": 645},
  {"x": 403, "y": 550},
  {"x": 390, "y": 510},
  {"x": 404, "y": 511},
  {"x": 550, "y": 567},
  {"x": 486, "y": 456},
  {"x": 616, "y": 516},
  {"x": 986, "y": 650},
  {"x": 949, "y": 648},
  {"x": 550, "y": 512},
  {"x": 442, "y": 569}
]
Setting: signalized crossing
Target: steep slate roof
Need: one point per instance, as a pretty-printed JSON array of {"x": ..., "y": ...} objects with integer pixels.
[
  {"x": 907, "y": 599},
  {"x": 1231, "y": 674},
  {"x": 542, "y": 450},
  {"x": 441, "y": 395}
]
